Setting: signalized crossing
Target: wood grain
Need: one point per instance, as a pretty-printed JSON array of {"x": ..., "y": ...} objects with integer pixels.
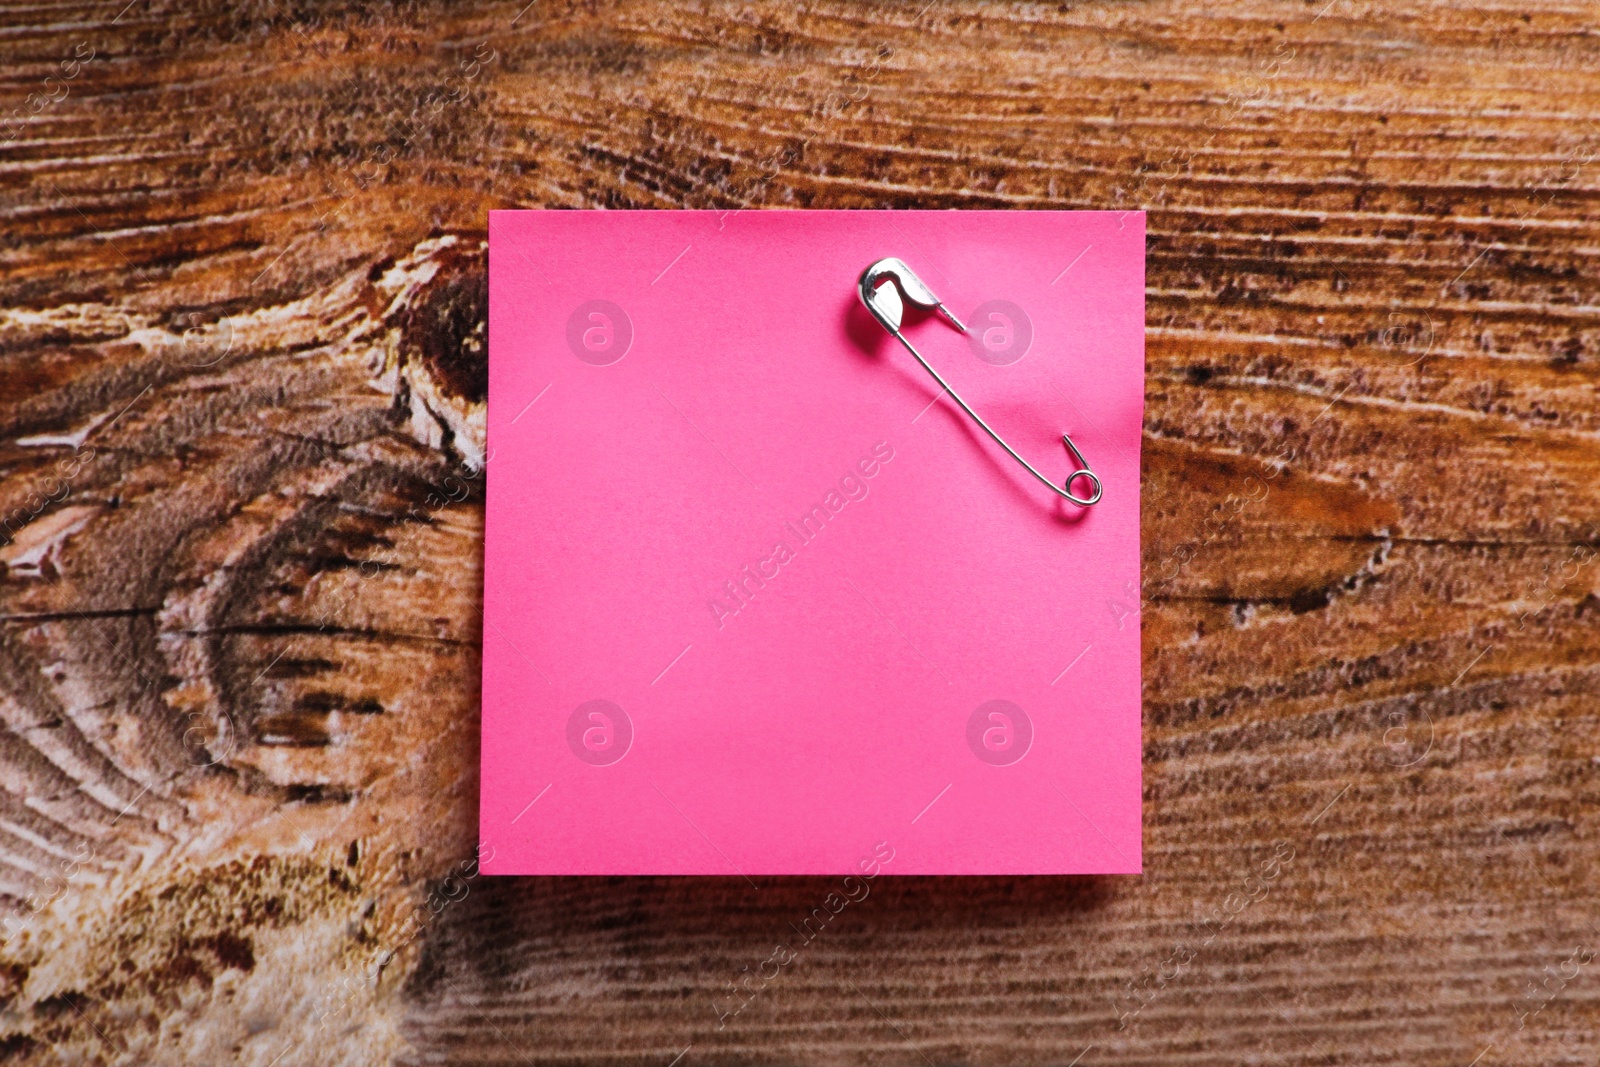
[{"x": 242, "y": 328}]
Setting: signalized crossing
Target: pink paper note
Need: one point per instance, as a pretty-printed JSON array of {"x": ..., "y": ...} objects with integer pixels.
[{"x": 758, "y": 597}]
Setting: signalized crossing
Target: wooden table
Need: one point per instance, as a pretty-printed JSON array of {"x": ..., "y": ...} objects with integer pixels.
[{"x": 244, "y": 368}]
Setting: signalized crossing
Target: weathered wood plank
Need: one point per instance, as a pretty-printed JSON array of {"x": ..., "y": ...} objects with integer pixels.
[{"x": 241, "y": 329}]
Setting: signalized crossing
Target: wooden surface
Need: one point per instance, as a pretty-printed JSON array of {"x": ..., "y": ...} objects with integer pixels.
[{"x": 242, "y": 323}]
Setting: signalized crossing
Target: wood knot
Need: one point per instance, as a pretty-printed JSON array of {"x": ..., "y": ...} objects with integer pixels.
[
  {"x": 446, "y": 326},
  {"x": 437, "y": 320}
]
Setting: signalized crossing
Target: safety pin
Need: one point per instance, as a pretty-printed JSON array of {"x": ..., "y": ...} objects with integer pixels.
[{"x": 884, "y": 301}]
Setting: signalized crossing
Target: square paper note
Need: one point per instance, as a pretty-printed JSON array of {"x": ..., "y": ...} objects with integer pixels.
[{"x": 759, "y": 597}]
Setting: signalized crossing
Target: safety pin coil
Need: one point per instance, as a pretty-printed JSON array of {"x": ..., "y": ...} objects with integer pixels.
[{"x": 881, "y": 287}]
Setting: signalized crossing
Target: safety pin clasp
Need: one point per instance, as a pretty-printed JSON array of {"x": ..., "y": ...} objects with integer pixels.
[
  {"x": 884, "y": 302},
  {"x": 885, "y": 287}
]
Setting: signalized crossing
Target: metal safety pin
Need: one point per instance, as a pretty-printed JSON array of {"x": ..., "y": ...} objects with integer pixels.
[{"x": 884, "y": 301}]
